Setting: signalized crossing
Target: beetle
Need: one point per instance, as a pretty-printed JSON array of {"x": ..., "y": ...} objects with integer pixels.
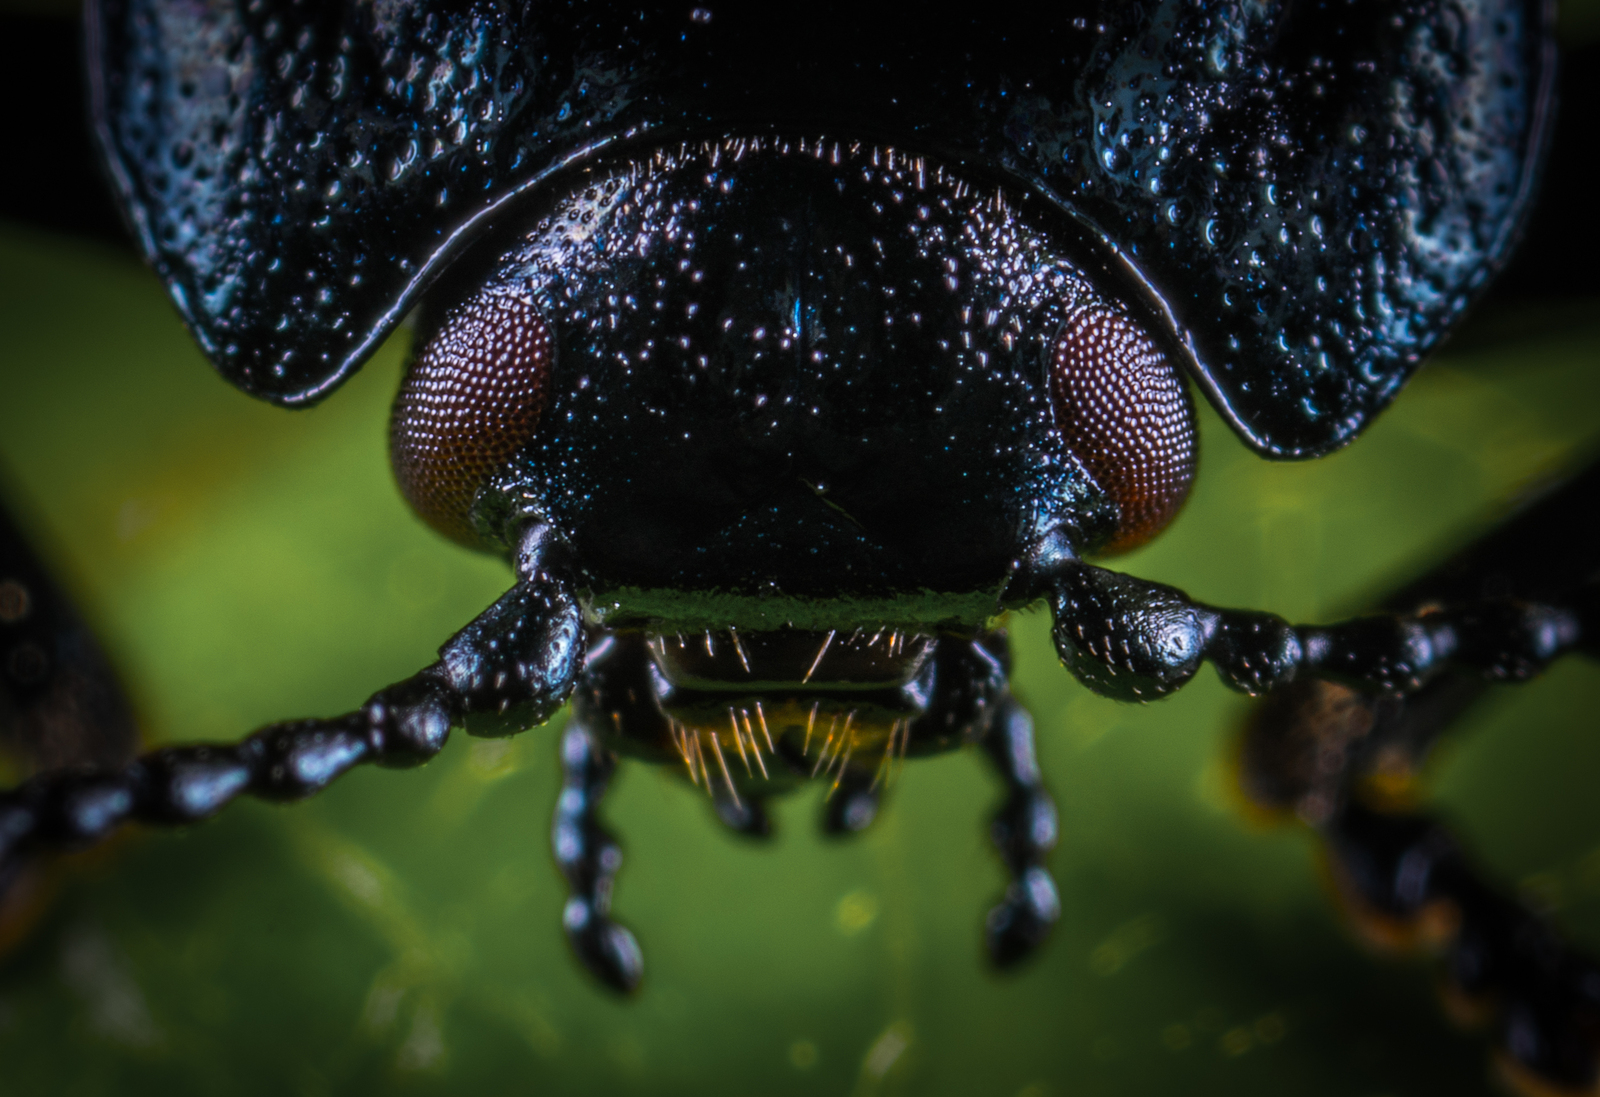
[{"x": 865, "y": 658}]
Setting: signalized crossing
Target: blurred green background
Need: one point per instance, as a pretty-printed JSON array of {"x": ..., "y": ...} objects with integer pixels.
[{"x": 401, "y": 933}]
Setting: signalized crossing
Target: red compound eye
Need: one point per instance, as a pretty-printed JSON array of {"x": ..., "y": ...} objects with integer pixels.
[
  {"x": 1125, "y": 414},
  {"x": 469, "y": 402}
]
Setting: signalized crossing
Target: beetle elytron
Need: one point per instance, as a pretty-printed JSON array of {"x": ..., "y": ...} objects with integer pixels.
[{"x": 781, "y": 373}]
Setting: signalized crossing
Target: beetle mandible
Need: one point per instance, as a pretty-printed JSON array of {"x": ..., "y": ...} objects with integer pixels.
[{"x": 780, "y": 378}]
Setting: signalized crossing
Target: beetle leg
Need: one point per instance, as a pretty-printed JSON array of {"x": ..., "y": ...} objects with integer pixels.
[
  {"x": 60, "y": 701},
  {"x": 1344, "y": 761},
  {"x": 1024, "y": 831},
  {"x": 968, "y": 683},
  {"x": 589, "y": 858},
  {"x": 1405, "y": 881},
  {"x": 510, "y": 669}
]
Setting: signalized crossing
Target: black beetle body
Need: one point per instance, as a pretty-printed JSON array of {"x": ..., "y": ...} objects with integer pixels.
[
  {"x": 1318, "y": 191},
  {"x": 782, "y": 373}
]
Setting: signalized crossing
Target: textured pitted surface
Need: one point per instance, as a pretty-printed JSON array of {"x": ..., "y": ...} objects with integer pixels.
[
  {"x": 293, "y": 168},
  {"x": 1312, "y": 193}
]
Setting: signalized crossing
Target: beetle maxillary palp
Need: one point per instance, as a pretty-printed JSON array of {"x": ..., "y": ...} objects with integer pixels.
[
  {"x": 470, "y": 400},
  {"x": 1125, "y": 413},
  {"x": 589, "y": 857}
]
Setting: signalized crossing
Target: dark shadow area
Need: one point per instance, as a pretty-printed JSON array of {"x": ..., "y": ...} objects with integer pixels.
[
  {"x": 53, "y": 178},
  {"x": 1552, "y": 278}
]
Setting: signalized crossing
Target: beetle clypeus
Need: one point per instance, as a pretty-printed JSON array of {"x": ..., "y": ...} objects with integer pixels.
[{"x": 780, "y": 381}]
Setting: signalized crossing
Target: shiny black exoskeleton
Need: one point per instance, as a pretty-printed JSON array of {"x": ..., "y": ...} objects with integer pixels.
[{"x": 783, "y": 362}]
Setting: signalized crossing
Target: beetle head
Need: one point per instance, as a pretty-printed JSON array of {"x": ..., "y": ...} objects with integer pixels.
[
  {"x": 758, "y": 383},
  {"x": 829, "y": 396}
]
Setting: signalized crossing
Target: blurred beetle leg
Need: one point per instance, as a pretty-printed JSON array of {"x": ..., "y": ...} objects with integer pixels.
[
  {"x": 60, "y": 701},
  {"x": 589, "y": 858},
  {"x": 60, "y": 704},
  {"x": 1345, "y": 761},
  {"x": 1406, "y": 883},
  {"x": 1307, "y": 744},
  {"x": 1024, "y": 831},
  {"x": 1311, "y": 740}
]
